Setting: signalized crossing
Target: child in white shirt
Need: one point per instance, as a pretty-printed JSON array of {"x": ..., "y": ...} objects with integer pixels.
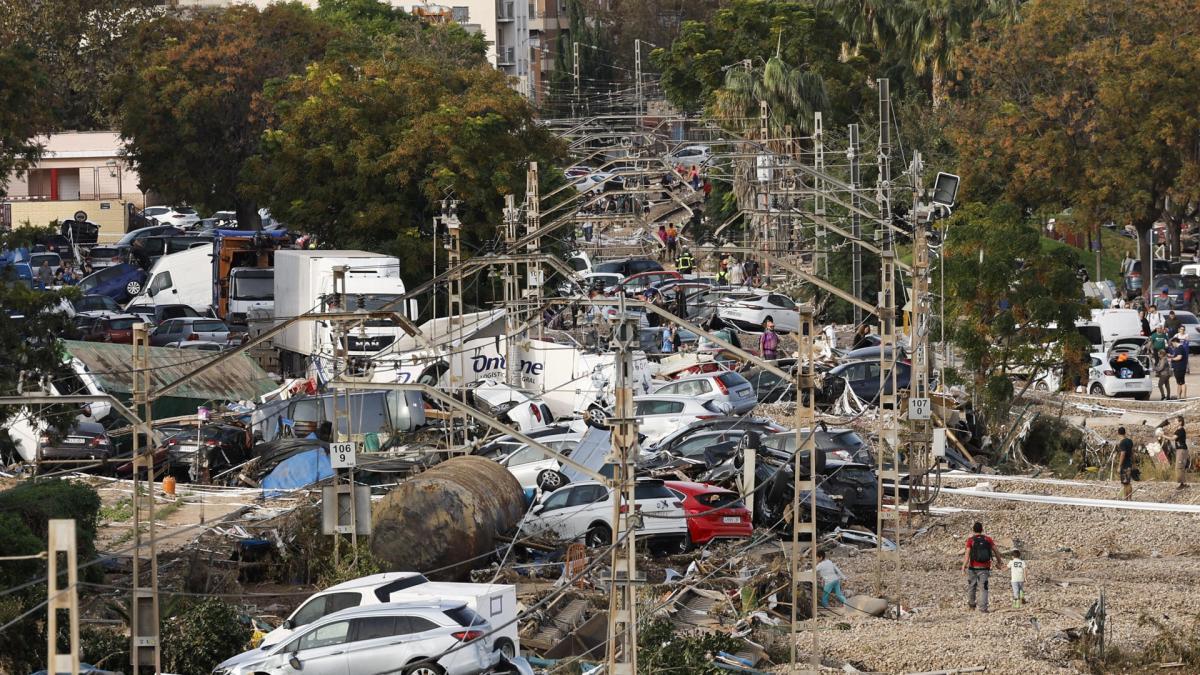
[{"x": 1016, "y": 568}]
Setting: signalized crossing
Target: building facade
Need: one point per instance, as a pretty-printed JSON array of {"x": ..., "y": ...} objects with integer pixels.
[{"x": 78, "y": 171}]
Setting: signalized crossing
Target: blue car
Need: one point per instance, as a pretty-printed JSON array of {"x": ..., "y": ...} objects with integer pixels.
[{"x": 119, "y": 282}]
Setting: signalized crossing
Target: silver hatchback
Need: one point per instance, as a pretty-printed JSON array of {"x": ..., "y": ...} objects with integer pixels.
[{"x": 724, "y": 387}]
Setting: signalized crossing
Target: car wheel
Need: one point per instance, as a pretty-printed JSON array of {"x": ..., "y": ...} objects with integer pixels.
[
  {"x": 424, "y": 669},
  {"x": 550, "y": 480},
  {"x": 1096, "y": 389},
  {"x": 597, "y": 417},
  {"x": 133, "y": 288},
  {"x": 506, "y": 647},
  {"x": 598, "y": 535},
  {"x": 683, "y": 544},
  {"x": 1042, "y": 386}
]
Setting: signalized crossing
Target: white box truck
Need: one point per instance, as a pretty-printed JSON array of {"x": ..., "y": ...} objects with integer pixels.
[{"x": 304, "y": 284}]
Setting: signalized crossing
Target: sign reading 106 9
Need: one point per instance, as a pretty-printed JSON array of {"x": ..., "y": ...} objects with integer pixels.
[{"x": 341, "y": 455}]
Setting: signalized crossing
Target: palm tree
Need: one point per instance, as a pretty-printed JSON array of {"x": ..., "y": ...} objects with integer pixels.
[{"x": 792, "y": 95}]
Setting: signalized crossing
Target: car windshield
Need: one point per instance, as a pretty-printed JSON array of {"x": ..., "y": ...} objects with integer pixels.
[
  {"x": 253, "y": 285},
  {"x": 1188, "y": 319},
  {"x": 105, "y": 275}
]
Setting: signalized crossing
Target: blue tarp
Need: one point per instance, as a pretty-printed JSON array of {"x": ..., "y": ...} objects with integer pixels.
[{"x": 297, "y": 471}]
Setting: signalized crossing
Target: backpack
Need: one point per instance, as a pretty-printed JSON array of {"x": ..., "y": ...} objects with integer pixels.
[{"x": 981, "y": 550}]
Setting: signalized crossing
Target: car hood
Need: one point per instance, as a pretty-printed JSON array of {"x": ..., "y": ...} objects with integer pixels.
[{"x": 246, "y": 658}]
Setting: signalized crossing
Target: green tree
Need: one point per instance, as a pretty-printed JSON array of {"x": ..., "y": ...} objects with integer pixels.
[
  {"x": 806, "y": 39},
  {"x": 792, "y": 95},
  {"x": 83, "y": 43},
  {"x": 1010, "y": 306},
  {"x": 364, "y": 151},
  {"x": 23, "y": 112},
  {"x": 193, "y": 112},
  {"x": 1086, "y": 107}
]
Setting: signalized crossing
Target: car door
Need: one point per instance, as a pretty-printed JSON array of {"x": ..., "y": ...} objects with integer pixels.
[
  {"x": 786, "y": 317},
  {"x": 658, "y": 417},
  {"x": 549, "y": 515},
  {"x": 586, "y": 505},
  {"x": 164, "y": 333},
  {"x": 661, "y": 512},
  {"x": 377, "y": 643},
  {"x": 526, "y": 463},
  {"x": 320, "y": 651}
]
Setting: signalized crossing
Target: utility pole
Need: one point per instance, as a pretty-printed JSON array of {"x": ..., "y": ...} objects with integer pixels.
[
  {"x": 819, "y": 195},
  {"x": 533, "y": 223},
  {"x": 764, "y": 135},
  {"x": 889, "y": 442},
  {"x": 920, "y": 431},
  {"x": 454, "y": 307},
  {"x": 575, "y": 76},
  {"x": 512, "y": 293},
  {"x": 805, "y": 430},
  {"x": 143, "y": 609},
  {"x": 62, "y": 540},
  {"x": 854, "y": 152},
  {"x": 339, "y": 416},
  {"x": 637, "y": 74},
  {"x": 626, "y": 519}
]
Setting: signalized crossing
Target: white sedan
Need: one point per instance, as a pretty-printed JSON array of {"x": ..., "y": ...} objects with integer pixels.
[
  {"x": 179, "y": 216},
  {"x": 531, "y": 468},
  {"x": 659, "y": 415},
  {"x": 749, "y": 310},
  {"x": 510, "y": 405}
]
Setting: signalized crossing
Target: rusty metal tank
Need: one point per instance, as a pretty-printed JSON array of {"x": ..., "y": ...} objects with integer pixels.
[{"x": 445, "y": 516}]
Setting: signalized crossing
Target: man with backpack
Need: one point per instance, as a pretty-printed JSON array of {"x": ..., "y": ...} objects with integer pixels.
[{"x": 977, "y": 563}]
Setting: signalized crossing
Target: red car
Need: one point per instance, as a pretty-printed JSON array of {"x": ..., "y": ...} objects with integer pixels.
[
  {"x": 714, "y": 513},
  {"x": 117, "y": 329}
]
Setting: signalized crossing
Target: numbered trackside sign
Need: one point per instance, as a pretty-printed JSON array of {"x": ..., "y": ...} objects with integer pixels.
[
  {"x": 341, "y": 455},
  {"x": 918, "y": 409}
]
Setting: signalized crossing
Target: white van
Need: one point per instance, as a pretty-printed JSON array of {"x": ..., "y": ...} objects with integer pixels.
[
  {"x": 1116, "y": 324},
  {"x": 183, "y": 278},
  {"x": 495, "y": 602}
]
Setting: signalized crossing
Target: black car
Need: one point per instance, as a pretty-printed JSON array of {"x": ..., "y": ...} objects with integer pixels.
[
  {"x": 85, "y": 441},
  {"x": 774, "y": 493},
  {"x": 225, "y": 446},
  {"x": 863, "y": 379},
  {"x": 628, "y": 266},
  {"x": 855, "y": 485},
  {"x": 769, "y": 387},
  {"x": 839, "y": 444}
]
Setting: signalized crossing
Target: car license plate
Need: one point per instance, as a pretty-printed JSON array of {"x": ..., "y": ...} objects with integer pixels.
[
  {"x": 731, "y": 519},
  {"x": 1133, "y": 385}
]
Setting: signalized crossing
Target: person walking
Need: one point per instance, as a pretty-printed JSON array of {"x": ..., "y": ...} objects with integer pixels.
[
  {"x": 830, "y": 336},
  {"x": 862, "y": 337},
  {"x": 45, "y": 276},
  {"x": 672, "y": 240},
  {"x": 662, "y": 236},
  {"x": 1125, "y": 463},
  {"x": 737, "y": 274},
  {"x": 768, "y": 342},
  {"x": 1162, "y": 368},
  {"x": 668, "y": 339},
  {"x": 1154, "y": 317},
  {"x": 1144, "y": 321},
  {"x": 723, "y": 273},
  {"x": 1184, "y": 344},
  {"x": 1182, "y": 456},
  {"x": 977, "y": 563},
  {"x": 685, "y": 262},
  {"x": 1158, "y": 341},
  {"x": 1179, "y": 364},
  {"x": 1172, "y": 323},
  {"x": 831, "y": 579},
  {"x": 1016, "y": 572}
]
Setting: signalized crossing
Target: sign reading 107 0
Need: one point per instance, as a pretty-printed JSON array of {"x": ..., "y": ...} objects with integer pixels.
[
  {"x": 342, "y": 455},
  {"x": 919, "y": 409}
]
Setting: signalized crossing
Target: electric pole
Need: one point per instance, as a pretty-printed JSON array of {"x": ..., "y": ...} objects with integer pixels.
[
  {"x": 820, "y": 255},
  {"x": 637, "y": 74},
  {"x": 143, "y": 610},
  {"x": 454, "y": 304},
  {"x": 533, "y": 223},
  {"x": 889, "y": 442},
  {"x": 62, "y": 540},
  {"x": 512, "y": 293},
  {"x": 626, "y": 519},
  {"x": 854, "y": 152},
  {"x": 919, "y": 458},
  {"x": 805, "y": 430},
  {"x": 575, "y": 77}
]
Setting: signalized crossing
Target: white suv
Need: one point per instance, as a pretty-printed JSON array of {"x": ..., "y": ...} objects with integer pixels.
[
  {"x": 422, "y": 638},
  {"x": 496, "y": 602},
  {"x": 749, "y": 310},
  {"x": 584, "y": 511}
]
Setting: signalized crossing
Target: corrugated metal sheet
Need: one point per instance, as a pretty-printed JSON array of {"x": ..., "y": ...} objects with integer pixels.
[{"x": 237, "y": 379}]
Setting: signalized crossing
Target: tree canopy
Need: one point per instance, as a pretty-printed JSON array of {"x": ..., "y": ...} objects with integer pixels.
[
  {"x": 363, "y": 152},
  {"x": 1088, "y": 107},
  {"x": 1011, "y": 305},
  {"x": 193, "y": 112},
  {"x": 23, "y": 114}
]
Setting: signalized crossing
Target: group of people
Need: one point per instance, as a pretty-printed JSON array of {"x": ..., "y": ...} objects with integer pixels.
[
  {"x": 1167, "y": 343},
  {"x": 1173, "y": 444},
  {"x": 64, "y": 275},
  {"x": 982, "y": 556},
  {"x": 731, "y": 272}
]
